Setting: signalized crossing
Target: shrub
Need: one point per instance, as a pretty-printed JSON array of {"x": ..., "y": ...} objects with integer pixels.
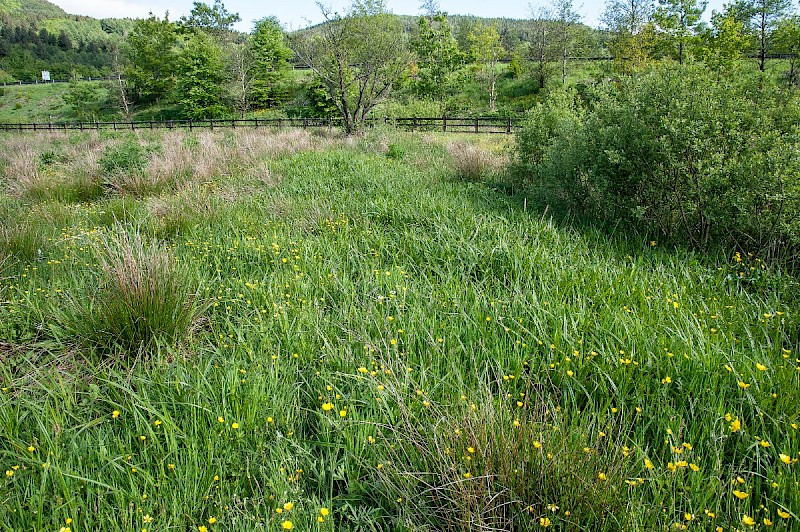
[
  {"x": 144, "y": 298},
  {"x": 125, "y": 157},
  {"x": 124, "y": 166},
  {"x": 677, "y": 150}
]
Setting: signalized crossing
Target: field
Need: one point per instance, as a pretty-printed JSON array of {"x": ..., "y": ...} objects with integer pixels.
[{"x": 240, "y": 331}]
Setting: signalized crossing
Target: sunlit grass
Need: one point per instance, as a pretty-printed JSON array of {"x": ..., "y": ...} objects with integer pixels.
[{"x": 387, "y": 346}]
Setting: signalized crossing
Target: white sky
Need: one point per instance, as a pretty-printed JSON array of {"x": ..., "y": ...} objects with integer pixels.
[{"x": 297, "y": 13}]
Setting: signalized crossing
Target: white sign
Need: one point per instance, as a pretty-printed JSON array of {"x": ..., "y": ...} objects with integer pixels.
[{"x": 45, "y": 75}]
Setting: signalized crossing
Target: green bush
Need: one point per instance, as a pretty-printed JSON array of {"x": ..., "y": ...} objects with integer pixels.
[
  {"x": 126, "y": 157},
  {"x": 679, "y": 151}
]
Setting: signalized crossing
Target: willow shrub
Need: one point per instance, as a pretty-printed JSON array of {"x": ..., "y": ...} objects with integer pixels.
[{"x": 677, "y": 150}]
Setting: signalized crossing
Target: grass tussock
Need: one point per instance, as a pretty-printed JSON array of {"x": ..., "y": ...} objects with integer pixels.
[
  {"x": 145, "y": 298},
  {"x": 192, "y": 205},
  {"x": 473, "y": 163},
  {"x": 26, "y": 239},
  {"x": 489, "y": 464}
]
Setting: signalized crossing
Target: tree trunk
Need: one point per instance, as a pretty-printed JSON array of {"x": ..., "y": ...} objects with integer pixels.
[
  {"x": 762, "y": 53},
  {"x": 492, "y": 96}
]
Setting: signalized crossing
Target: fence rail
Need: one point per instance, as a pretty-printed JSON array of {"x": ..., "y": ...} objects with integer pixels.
[{"x": 445, "y": 124}]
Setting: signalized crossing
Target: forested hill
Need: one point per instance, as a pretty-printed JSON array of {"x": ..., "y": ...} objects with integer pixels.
[
  {"x": 513, "y": 32},
  {"x": 36, "y": 35}
]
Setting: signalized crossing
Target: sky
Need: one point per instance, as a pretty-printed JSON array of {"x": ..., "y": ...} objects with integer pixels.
[{"x": 297, "y": 14}]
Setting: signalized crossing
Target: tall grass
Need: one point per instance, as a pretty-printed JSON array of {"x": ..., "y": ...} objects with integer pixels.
[
  {"x": 144, "y": 299},
  {"x": 380, "y": 346}
]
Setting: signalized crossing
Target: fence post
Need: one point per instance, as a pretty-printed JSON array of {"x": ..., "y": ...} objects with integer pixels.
[
  {"x": 233, "y": 124},
  {"x": 305, "y": 123},
  {"x": 508, "y": 126},
  {"x": 191, "y": 126},
  {"x": 114, "y": 125},
  {"x": 211, "y": 123},
  {"x": 476, "y": 125},
  {"x": 444, "y": 124},
  {"x": 414, "y": 124},
  {"x": 34, "y": 126}
]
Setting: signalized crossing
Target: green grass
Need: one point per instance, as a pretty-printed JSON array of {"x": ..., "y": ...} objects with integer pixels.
[
  {"x": 33, "y": 103},
  {"x": 398, "y": 346}
]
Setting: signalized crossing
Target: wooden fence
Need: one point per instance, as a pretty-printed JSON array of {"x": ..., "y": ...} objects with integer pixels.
[{"x": 445, "y": 124}]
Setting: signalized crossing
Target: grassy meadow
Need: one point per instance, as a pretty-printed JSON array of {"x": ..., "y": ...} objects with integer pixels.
[{"x": 237, "y": 331}]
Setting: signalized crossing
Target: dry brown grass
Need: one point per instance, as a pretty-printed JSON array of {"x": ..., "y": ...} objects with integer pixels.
[
  {"x": 472, "y": 162},
  {"x": 212, "y": 154},
  {"x": 74, "y": 176}
]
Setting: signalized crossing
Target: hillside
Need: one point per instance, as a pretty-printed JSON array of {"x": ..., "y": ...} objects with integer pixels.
[
  {"x": 31, "y": 9},
  {"x": 36, "y": 35}
]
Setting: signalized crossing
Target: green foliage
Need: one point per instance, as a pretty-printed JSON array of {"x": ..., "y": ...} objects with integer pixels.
[
  {"x": 202, "y": 77},
  {"x": 680, "y": 21},
  {"x": 127, "y": 156},
  {"x": 516, "y": 66},
  {"x": 727, "y": 41},
  {"x": 787, "y": 41},
  {"x": 152, "y": 59},
  {"x": 358, "y": 57},
  {"x": 762, "y": 18},
  {"x": 85, "y": 99},
  {"x": 676, "y": 151},
  {"x": 486, "y": 48},
  {"x": 212, "y": 18},
  {"x": 270, "y": 63},
  {"x": 437, "y": 56},
  {"x": 313, "y": 100}
]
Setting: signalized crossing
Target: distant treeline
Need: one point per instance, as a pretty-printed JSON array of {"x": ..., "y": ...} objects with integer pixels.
[{"x": 39, "y": 36}]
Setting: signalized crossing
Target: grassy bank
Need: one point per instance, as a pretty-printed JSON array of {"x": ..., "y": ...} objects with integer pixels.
[{"x": 369, "y": 341}]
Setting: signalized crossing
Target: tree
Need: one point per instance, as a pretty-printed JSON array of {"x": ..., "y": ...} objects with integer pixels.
[
  {"x": 64, "y": 41},
  {"x": 152, "y": 57},
  {"x": 787, "y": 42},
  {"x": 240, "y": 83},
  {"x": 437, "y": 56},
  {"x": 487, "y": 50},
  {"x": 215, "y": 18},
  {"x": 270, "y": 55},
  {"x": 201, "y": 78},
  {"x": 680, "y": 21},
  {"x": 727, "y": 40},
  {"x": 566, "y": 29},
  {"x": 541, "y": 49},
  {"x": 429, "y": 8},
  {"x": 121, "y": 86},
  {"x": 633, "y": 36},
  {"x": 358, "y": 57},
  {"x": 764, "y": 16}
]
